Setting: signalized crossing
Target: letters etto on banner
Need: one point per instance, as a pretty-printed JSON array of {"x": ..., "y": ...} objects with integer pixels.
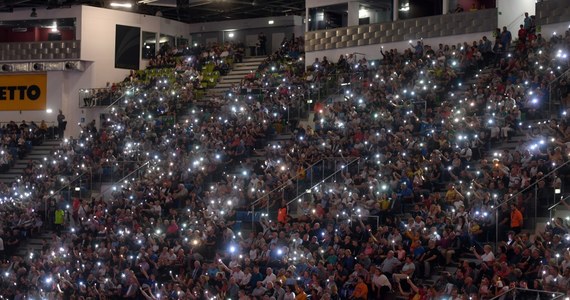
[{"x": 23, "y": 92}]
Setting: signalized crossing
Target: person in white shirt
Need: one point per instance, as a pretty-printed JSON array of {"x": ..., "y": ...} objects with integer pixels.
[
  {"x": 270, "y": 277},
  {"x": 237, "y": 274},
  {"x": 487, "y": 255},
  {"x": 380, "y": 284},
  {"x": 246, "y": 277},
  {"x": 407, "y": 270},
  {"x": 2, "y": 253},
  {"x": 553, "y": 281}
]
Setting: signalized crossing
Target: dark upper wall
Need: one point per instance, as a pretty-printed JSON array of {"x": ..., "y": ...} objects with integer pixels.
[{"x": 552, "y": 11}]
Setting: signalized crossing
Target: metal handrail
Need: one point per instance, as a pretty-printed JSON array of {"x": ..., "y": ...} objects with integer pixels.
[
  {"x": 516, "y": 20},
  {"x": 562, "y": 199},
  {"x": 286, "y": 183},
  {"x": 552, "y": 295},
  {"x": 528, "y": 187},
  {"x": 67, "y": 186},
  {"x": 550, "y": 90},
  {"x": 29, "y": 122},
  {"x": 322, "y": 181},
  {"x": 125, "y": 177},
  {"x": 110, "y": 106},
  {"x": 281, "y": 186}
]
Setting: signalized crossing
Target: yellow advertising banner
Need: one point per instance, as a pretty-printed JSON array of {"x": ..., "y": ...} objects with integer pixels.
[{"x": 23, "y": 92}]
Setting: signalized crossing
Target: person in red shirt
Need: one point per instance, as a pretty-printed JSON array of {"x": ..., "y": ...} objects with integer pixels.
[
  {"x": 172, "y": 229},
  {"x": 522, "y": 34}
]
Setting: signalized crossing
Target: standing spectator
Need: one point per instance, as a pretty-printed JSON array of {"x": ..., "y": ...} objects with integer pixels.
[
  {"x": 506, "y": 39},
  {"x": 486, "y": 49},
  {"x": 61, "y": 123},
  {"x": 262, "y": 44},
  {"x": 2, "y": 254},
  {"x": 522, "y": 34},
  {"x": 418, "y": 48},
  {"x": 516, "y": 219},
  {"x": 58, "y": 220},
  {"x": 527, "y": 22}
]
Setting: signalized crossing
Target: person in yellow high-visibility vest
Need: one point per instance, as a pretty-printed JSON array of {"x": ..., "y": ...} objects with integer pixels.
[{"x": 59, "y": 220}]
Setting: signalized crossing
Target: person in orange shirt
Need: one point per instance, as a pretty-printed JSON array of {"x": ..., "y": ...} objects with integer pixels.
[
  {"x": 516, "y": 219},
  {"x": 301, "y": 295},
  {"x": 361, "y": 290}
]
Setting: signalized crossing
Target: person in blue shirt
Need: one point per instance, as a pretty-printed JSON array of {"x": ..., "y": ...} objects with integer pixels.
[
  {"x": 506, "y": 39},
  {"x": 418, "y": 48},
  {"x": 527, "y": 21},
  {"x": 255, "y": 277},
  {"x": 406, "y": 192}
]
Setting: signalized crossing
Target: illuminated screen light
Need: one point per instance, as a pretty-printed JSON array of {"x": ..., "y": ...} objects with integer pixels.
[{"x": 121, "y": 5}]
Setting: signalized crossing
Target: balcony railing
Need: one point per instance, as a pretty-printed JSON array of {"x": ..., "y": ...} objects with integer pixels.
[{"x": 53, "y": 50}]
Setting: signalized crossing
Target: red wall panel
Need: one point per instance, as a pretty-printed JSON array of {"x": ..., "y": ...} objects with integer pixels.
[{"x": 33, "y": 34}]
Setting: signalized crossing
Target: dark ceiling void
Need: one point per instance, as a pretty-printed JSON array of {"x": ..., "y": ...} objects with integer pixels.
[{"x": 188, "y": 11}]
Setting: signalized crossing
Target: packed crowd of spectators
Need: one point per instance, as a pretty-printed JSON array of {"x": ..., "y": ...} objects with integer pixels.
[
  {"x": 429, "y": 173},
  {"x": 18, "y": 139},
  {"x": 190, "y": 62}
]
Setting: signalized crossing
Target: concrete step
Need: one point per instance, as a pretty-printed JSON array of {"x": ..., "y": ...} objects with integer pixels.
[
  {"x": 282, "y": 137},
  {"x": 9, "y": 177},
  {"x": 242, "y": 72},
  {"x": 218, "y": 90},
  {"x": 244, "y": 67},
  {"x": 47, "y": 147},
  {"x": 253, "y": 63},
  {"x": 257, "y": 59},
  {"x": 226, "y": 85},
  {"x": 49, "y": 143},
  {"x": 232, "y": 76},
  {"x": 34, "y": 244},
  {"x": 17, "y": 168},
  {"x": 38, "y": 153}
]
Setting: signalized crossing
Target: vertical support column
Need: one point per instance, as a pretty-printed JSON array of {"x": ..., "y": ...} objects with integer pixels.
[
  {"x": 353, "y": 8},
  {"x": 307, "y": 17},
  {"x": 395, "y": 7},
  {"x": 445, "y": 7}
]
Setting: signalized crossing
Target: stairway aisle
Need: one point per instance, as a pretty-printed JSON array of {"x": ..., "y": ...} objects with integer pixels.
[
  {"x": 235, "y": 76},
  {"x": 37, "y": 154},
  {"x": 534, "y": 226}
]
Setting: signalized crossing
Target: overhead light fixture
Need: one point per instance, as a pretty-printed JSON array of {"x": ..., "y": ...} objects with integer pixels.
[
  {"x": 34, "y": 14},
  {"x": 121, "y": 5},
  {"x": 70, "y": 66},
  {"x": 405, "y": 7},
  {"x": 231, "y": 34},
  {"x": 54, "y": 27},
  {"x": 270, "y": 22}
]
